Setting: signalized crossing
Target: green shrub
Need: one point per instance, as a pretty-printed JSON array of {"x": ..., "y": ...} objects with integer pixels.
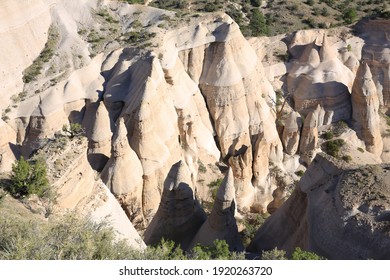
[
  {"x": 325, "y": 12},
  {"x": 274, "y": 254},
  {"x": 67, "y": 238},
  {"x": 202, "y": 168},
  {"x": 300, "y": 173},
  {"x": 29, "y": 178},
  {"x": 252, "y": 224},
  {"x": 298, "y": 254},
  {"x": 350, "y": 15},
  {"x": 210, "y": 7},
  {"x": 135, "y": 1},
  {"x": 328, "y": 135},
  {"x": 333, "y": 147},
  {"x": 346, "y": 158},
  {"x": 310, "y": 2},
  {"x": 214, "y": 185},
  {"x": 360, "y": 150},
  {"x": 218, "y": 251},
  {"x": 31, "y": 72},
  {"x": 256, "y": 3},
  {"x": 257, "y": 24},
  {"x": 75, "y": 129}
]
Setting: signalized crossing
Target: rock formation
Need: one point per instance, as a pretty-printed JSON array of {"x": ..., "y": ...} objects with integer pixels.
[
  {"x": 311, "y": 84},
  {"x": 291, "y": 133},
  {"x": 309, "y": 137},
  {"x": 179, "y": 215},
  {"x": 123, "y": 174},
  {"x": 365, "y": 110},
  {"x": 99, "y": 147},
  {"x": 79, "y": 190},
  {"x": 197, "y": 93},
  {"x": 24, "y": 31},
  {"x": 337, "y": 211},
  {"x": 7, "y": 150},
  {"x": 221, "y": 223},
  {"x": 376, "y": 53}
]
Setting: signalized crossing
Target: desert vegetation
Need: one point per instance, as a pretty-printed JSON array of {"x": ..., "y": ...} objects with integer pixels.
[
  {"x": 35, "y": 69},
  {"x": 73, "y": 238},
  {"x": 281, "y": 16},
  {"x": 28, "y": 178}
]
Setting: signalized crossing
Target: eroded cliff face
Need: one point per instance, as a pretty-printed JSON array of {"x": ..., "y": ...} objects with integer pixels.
[
  {"x": 200, "y": 94},
  {"x": 376, "y": 54},
  {"x": 338, "y": 211}
]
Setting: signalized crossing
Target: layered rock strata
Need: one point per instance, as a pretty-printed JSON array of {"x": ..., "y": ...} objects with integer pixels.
[{"x": 311, "y": 82}]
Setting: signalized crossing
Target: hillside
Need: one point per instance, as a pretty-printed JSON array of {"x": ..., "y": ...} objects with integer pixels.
[{"x": 191, "y": 124}]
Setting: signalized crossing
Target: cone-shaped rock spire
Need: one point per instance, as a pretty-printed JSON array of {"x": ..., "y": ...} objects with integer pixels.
[
  {"x": 221, "y": 223},
  {"x": 179, "y": 215},
  {"x": 365, "y": 110}
]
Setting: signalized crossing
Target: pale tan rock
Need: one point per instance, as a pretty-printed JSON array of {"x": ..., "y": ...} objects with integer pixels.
[
  {"x": 99, "y": 147},
  {"x": 23, "y": 29},
  {"x": 376, "y": 53},
  {"x": 221, "y": 223},
  {"x": 310, "y": 55},
  {"x": 241, "y": 165},
  {"x": 196, "y": 130},
  {"x": 123, "y": 174},
  {"x": 327, "y": 83},
  {"x": 327, "y": 52},
  {"x": 332, "y": 200},
  {"x": 365, "y": 108},
  {"x": 227, "y": 100},
  {"x": 291, "y": 133},
  {"x": 309, "y": 136},
  {"x": 179, "y": 215},
  {"x": 150, "y": 116},
  {"x": 80, "y": 191},
  {"x": 41, "y": 127},
  {"x": 8, "y": 151},
  {"x": 262, "y": 191}
]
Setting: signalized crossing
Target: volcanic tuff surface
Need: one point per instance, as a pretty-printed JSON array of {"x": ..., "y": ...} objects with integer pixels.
[
  {"x": 335, "y": 211},
  {"x": 168, "y": 101}
]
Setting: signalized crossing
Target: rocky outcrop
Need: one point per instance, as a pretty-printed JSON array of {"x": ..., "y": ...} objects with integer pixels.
[
  {"x": 8, "y": 151},
  {"x": 79, "y": 190},
  {"x": 99, "y": 147},
  {"x": 376, "y": 53},
  {"x": 123, "y": 174},
  {"x": 23, "y": 30},
  {"x": 365, "y": 110},
  {"x": 179, "y": 215},
  {"x": 221, "y": 223},
  {"x": 291, "y": 133},
  {"x": 309, "y": 137},
  {"x": 241, "y": 164},
  {"x": 311, "y": 83},
  {"x": 333, "y": 201}
]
